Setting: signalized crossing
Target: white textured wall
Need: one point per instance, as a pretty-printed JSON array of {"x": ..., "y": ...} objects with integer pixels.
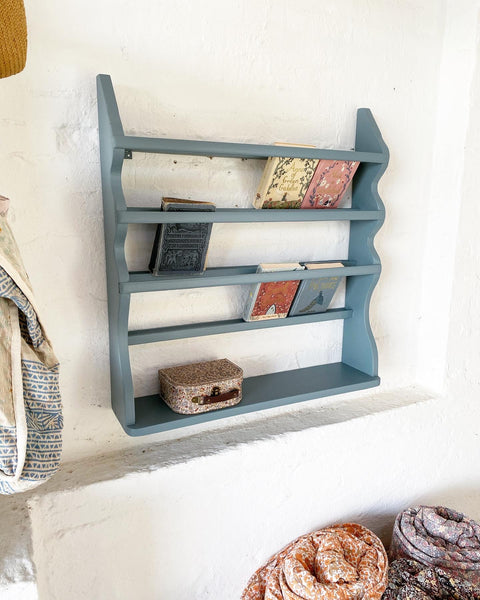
[
  {"x": 200, "y": 529},
  {"x": 253, "y": 71},
  {"x": 240, "y": 71},
  {"x": 455, "y": 112}
]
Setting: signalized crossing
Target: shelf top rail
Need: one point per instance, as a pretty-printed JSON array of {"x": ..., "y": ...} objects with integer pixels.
[
  {"x": 236, "y": 150},
  {"x": 217, "y": 149},
  {"x": 176, "y": 332},
  {"x": 246, "y": 215},
  {"x": 140, "y": 281}
]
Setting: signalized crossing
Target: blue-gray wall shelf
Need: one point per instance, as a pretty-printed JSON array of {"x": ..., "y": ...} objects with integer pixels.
[{"x": 359, "y": 367}]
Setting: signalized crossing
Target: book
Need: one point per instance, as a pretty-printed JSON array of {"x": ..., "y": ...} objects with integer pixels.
[
  {"x": 329, "y": 183},
  {"x": 285, "y": 181},
  {"x": 315, "y": 295},
  {"x": 271, "y": 299},
  {"x": 181, "y": 247}
]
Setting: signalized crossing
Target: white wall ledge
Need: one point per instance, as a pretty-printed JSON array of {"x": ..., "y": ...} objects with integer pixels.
[
  {"x": 17, "y": 570},
  {"x": 269, "y": 424}
]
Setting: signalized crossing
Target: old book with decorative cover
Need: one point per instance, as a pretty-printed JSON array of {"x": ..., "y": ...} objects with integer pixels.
[
  {"x": 315, "y": 295},
  {"x": 285, "y": 181},
  {"x": 181, "y": 247},
  {"x": 271, "y": 299},
  {"x": 329, "y": 183}
]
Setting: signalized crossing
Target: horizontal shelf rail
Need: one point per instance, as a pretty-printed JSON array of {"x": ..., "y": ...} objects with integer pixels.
[
  {"x": 258, "y": 393},
  {"x": 176, "y": 332},
  {"x": 141, "y": 281},
  {"x": 236, "y": 150},
  {"x": 246, "y": 215}
]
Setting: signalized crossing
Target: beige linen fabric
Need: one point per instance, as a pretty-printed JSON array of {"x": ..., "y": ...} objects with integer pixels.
[{"x": 30, "y": 404}]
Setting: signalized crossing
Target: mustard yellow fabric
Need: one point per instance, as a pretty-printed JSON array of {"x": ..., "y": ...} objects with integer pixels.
[{"x": 13, "y": 37}]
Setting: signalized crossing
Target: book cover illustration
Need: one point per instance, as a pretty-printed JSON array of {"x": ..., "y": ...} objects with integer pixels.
[
  {"x": 315, "y": 295},
  {"x": 285, "y": 181},
  {"x": 181, "y": 247},
  {"x": 272, "y": 299},
  {"x": 329, "y": 183}
]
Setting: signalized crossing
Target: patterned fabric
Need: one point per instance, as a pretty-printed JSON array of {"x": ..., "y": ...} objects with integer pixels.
[
  {"x": 30, "y": 404},
  {"x": 343, "y": 562},
  {"x": 410, "y": 580},
  {"x": 438, "y": 536}
]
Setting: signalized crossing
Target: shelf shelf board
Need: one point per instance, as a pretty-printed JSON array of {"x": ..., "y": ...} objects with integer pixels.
[
  {"x": 259, "y": 393},
  {"x": 142, "y": 281},
  {"x": 236, "y": 150},
  {"x": 246, "y": 215},
  {"x": 162, "y": 334}
]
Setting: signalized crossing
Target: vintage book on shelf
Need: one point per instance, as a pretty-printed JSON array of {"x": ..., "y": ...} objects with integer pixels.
[
  {"x": 271, "y": 299},
  {"x": 181, "y": 247},
  {"x": 315, "y": 295},
  {"x": 285, "y": 181},
  {"x": 329, "y": 183},
  {"x": 201, "y": 387}
]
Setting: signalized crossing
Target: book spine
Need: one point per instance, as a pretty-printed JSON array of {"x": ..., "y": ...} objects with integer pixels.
[
  {"x": 155, "y": 256},
  {"x": 267, "y": 175},
  {"x": 267, "y": 317},
  {"x": 250, "y": 302}
]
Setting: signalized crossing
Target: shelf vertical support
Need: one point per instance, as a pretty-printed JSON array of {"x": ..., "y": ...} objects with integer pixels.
[
  {"x": 359, "y": 347},
  {"x": 111, "y": 162}
]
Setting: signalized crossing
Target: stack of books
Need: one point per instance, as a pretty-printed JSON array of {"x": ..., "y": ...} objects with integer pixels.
[
  {"x": 279, "y": 299},
  {"x": 304, "y": 182}
]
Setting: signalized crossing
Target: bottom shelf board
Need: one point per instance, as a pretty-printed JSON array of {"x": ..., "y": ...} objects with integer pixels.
[{"x": 258, "y": 393}]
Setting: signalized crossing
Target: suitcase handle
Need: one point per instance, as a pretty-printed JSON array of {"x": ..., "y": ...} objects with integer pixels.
[{"x": 216, "y": 396}]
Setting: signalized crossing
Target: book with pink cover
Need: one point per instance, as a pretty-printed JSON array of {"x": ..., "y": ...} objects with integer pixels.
[{"x": 329, "y": 183}]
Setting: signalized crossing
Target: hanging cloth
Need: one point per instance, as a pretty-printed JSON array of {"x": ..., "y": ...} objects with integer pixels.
[
  {"x": 30, "y": 404},
  {"x": 13, "y": 37}
]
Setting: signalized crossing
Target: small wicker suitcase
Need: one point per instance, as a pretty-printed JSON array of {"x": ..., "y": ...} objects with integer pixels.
[{"x": 201, "y": 387}]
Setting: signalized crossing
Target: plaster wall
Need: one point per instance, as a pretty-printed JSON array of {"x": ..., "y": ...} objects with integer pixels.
[
  {"x": 124, "y": 517},
  {"x": 244, "y": 72},
  {"x": 199, "y": 529},
  {"x": 456, "y": 112}
]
